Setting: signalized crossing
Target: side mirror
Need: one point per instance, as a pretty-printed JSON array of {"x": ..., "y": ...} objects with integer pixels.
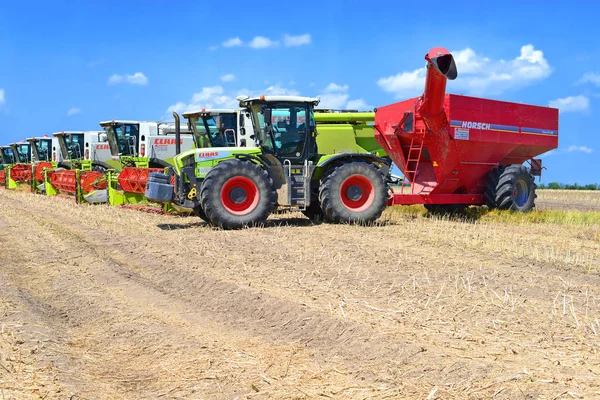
[
  {"x": 267, "y": 115},
  {"x": 103, "y": 138}
]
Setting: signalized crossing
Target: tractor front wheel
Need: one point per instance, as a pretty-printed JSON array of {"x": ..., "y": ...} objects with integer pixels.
[
  {"x": 353, "y": 192},
  {"x": 236, "y": 194},
  {"x": 511, "y": 188},
  {"x": 199, "y": 212}
]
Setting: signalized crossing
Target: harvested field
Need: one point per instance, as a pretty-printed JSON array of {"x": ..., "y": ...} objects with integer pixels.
[
  {"x": 582, "y": 200},
  {"x": 109, "y": 303}
]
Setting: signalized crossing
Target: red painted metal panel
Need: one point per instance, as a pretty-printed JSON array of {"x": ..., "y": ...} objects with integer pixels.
[
  {"x": 92, "y": 180},
  {"x": 64, "y": 181},
  {"x": 21, "y": 173},
  {"x": 39, "y": 170},
  {"x": 3, "y": 177},
  {"x": 134, "y": 179}
]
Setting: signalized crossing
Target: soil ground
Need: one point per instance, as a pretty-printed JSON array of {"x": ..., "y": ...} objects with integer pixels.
[{"x": 108, "y": 303}]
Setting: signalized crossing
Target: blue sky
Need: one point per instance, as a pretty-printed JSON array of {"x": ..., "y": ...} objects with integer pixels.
[{"x": 69, "y": 65}]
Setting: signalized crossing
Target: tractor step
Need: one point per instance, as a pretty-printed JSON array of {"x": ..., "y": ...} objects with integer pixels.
[{"x": 298, "y": 180}]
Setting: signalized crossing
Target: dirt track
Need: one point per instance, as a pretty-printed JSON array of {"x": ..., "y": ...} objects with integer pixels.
[{"x": 109, "y": 303}]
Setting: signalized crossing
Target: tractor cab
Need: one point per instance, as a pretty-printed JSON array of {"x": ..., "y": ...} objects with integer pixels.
[
  {"x": 6, "y": 156},
  {"x": 284, "y": 126},
  {"x": 41, "y": 148},
  {"x": 219, "y": 127},
  {"x": 22, "y": 152}
]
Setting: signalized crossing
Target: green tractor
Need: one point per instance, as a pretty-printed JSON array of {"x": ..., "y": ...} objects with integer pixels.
[{"x": 287, "y": 168}]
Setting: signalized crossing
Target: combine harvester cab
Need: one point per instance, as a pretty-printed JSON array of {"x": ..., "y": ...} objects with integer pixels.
[
  {"x": 8, "y": 160},
  {"x": 19, "y": 173},
  {"x": 82, "y": 159},
  {"x": 41, "y": 155},
  {"x": 138, "y": 148},
  {"x": 456, "y": 151}
]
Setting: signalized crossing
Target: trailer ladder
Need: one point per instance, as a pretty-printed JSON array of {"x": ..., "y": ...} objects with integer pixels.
[{"x": 412, "y": 160}]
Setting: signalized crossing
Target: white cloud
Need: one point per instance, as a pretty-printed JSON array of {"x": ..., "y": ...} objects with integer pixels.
[
  {"x": 218, "y": 97},
  {"x": 213, "y": 48},
  {"x": 261, "y": 42},
  {"x": 477, "y": 75},
  {"x": 233, "y": 42},
  {"x": 570, "y": 149},
  {"x": 73, "y": 111},
  {"x": 334, "y": 87},
  {"x": 590, "y": 77},
  {"x": 336, "y": 97},
  {"x": 136, "y": 79},
  {"x": 2, "y": 97},
  {"x": 227, "y": 77},
  {"x": 571, "y": 104},
  {"x": 359, "y": 104},
  {"x": 580, "y": 149},
  {"x": 300, "y": 40}
]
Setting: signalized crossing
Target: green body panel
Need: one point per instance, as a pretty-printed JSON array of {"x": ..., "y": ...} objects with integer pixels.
[
  {"x": 187, "y": 158},
  {"x": 347, "y": 133},
  {"x": 10, "y": 184}
]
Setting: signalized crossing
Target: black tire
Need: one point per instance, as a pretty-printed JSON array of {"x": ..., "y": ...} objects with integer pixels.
[
  {"x": 347, "y": 206},
  {"x": 314, "y": 212},
  {"x": 199, "y": 212},
  {"x": 231, "y": 176},
  {"x": 510, "y": 188},
  {"x": 99, "y": 168}
]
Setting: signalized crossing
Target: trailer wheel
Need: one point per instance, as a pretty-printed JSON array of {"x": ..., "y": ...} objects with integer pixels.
[
  {"x": 511, "y": 188},
  {"x": 236, "y": 194},
  {"x": 353, "y": 192}
]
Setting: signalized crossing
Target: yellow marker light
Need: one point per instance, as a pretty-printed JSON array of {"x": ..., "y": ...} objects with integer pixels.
[
  {"x": 435, "y": 164},
  {"x": 262, "y": 96}
]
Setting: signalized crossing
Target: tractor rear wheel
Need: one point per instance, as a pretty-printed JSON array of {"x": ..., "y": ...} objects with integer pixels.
[
  {"x": 199, "y": 212},
  {"x": 511, "y": 188},
  {"x": 236, "y": 194},
  {"x": 354, "y": 192}
]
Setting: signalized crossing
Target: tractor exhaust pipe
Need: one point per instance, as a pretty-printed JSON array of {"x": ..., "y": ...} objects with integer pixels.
[
  {"x": 440, "y": 68},
  {"x": 177, "y": 133}
]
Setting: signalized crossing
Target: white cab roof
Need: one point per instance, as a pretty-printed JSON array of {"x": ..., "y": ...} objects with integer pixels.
[
  {"x": 211, "y": 111},
  {"x": 293, "y": 99}
]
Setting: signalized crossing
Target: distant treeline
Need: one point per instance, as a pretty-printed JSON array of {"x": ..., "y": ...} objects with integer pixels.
[{"x": 563, "y": 186}]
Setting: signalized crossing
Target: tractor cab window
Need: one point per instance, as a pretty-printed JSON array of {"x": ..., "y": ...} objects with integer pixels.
[
  {"x": 288, "y": 129},
  {"x": 24, "y": 153},
  {"x": 42, "y": 148},
  {"x": 215, "y": 130},
  {"x": 123, "y": 139},
  {"x": 7, "y": 156},
  {"x": 74, "y": 146}
]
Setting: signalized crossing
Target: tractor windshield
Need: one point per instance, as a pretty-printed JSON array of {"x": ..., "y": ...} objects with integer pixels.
[
  {"x": 123, "y": 139},
  {"x": 214, "y": 130},
  {"x": 42, "y": 149},
  {"x": 287, "y": 131},
  {"x": 23, "y": 152},
  {"x": 71, "y": 146},
  {"x": 7, "y": 155}
]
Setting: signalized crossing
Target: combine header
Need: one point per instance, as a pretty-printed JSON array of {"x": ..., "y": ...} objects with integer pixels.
[
  {"x": 82, "y": 158},
  {"x": 456, "y": 150}
]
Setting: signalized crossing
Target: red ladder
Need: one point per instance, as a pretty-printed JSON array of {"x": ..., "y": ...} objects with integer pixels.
[{"x": 413, "y": 157}]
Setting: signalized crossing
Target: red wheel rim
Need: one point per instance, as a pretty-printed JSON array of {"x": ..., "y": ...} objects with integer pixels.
[
  {"x": 239, "y": 195},
  {"x": 357, "y": 193}
]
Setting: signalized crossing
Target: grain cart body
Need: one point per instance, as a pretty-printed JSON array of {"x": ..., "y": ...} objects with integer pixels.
[{"x": 450, "y": 146}]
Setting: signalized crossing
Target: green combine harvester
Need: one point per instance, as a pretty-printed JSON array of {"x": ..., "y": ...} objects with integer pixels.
[
  {"x": 289, "y": 167},
  {"x": 8, "y": 160}
]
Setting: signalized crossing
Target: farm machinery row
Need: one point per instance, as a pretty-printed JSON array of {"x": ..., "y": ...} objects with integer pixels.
[{"x": 233, "y": 168}]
